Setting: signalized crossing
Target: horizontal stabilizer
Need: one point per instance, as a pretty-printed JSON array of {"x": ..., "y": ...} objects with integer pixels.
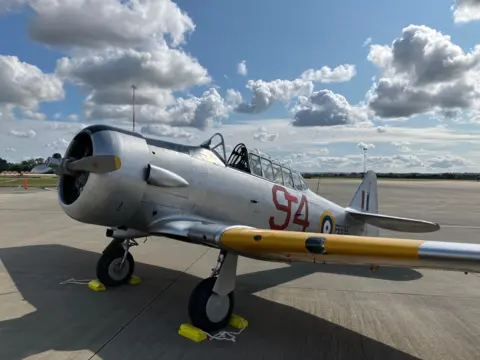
[{"x": 394, "y": 223}]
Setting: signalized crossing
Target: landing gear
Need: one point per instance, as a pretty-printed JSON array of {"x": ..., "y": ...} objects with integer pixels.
[
  {"x": 212, "y": 301},
  {"x": 116, "y": 265}
]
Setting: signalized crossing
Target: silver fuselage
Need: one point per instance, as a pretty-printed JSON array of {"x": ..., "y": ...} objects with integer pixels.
[{"x": 215, "y": 191}]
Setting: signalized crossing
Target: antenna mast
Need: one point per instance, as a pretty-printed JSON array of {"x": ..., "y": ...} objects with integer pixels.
[
  {"x": 133, "y": 106},
  {"x": 364, "y": 160}
]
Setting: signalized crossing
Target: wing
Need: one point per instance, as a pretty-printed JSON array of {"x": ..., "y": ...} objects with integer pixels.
[
  {"x": 394, "y": 223},
  {"x": 312, "y": 247}
]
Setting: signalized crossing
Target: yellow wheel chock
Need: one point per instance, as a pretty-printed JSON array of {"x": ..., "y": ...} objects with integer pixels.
[
  {"x": 198, "y": 335},
  {"x": 97, "y": 285}
]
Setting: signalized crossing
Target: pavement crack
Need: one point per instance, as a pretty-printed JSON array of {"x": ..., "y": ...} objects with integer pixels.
[
  {"x": 142, "y": 310},
  {"x": 379, "y": 292},
  {"x": 9, "y": 292}
]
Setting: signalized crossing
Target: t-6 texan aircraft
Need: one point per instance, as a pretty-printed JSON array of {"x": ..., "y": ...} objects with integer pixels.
[{"x": 247, "y": 205}]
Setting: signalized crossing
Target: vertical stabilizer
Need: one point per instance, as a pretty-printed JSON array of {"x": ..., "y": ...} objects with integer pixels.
[{"x": 366, "y": 200}]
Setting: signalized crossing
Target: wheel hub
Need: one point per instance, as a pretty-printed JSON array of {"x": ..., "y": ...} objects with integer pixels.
[
  {"x": 217, "y": 307},
  {"x": 117, "y": 271}
]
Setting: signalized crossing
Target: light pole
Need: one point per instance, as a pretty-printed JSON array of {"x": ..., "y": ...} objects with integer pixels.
[
  {"x": 364, "y": 161},
  {"x": 133, "y": 106}
]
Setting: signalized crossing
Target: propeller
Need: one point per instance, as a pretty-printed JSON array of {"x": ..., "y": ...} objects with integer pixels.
[{"x": 97, "y": 164}]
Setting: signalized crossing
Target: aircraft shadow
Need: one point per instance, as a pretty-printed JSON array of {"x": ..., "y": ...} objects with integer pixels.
[
  {"x": 72, "y": 317},
  {"x": 261, "y": 280}
]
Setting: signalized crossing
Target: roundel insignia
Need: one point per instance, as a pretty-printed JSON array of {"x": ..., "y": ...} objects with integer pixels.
[{"x": 327, "y": 223}]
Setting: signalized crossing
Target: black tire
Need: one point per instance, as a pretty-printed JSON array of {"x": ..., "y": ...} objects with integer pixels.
[
  {"x": 197, "y": 307},
  {"x": 114, "y": 255}
]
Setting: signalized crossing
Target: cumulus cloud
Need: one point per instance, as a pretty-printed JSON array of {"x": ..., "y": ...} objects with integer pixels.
[
  {"x": 448, "y": 161},
  {"x": 265, "y": 93},
  {"x": 122, "y": 24},
  {"x": 361, "y": 145},
  {"x": 23, "y": 134},
  {"x": 465, "y": 11},
  {"x": 242, "y": 68},
  {"x": 25, "y": 85},
  {"x": 402, "y": 146},
  {"x": 167, "y": 131},
  {"x": 325, "y": 108},
  {"x": 423, "y": 72},
  {"x": 109, "y": 75},
  {"x": 162, "y": 68},
  {"x": 341, "y": 73},
  {"x": 125, "y": 43},
  {"x": 263, "y": 135},
  {"x": 197, "y": 112},
  {"x": 57, "y": 144}
]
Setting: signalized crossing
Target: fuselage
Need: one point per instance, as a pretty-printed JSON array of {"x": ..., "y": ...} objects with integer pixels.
[
  {"x": 221, "y": 193},
  {"x": 216, "y": 191}
]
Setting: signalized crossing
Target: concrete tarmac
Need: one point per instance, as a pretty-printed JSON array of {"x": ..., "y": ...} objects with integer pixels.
[{"x": 302, "y": 311}]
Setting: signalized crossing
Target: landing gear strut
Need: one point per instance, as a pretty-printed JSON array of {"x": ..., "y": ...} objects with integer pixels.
[
  {"x": 212, "y": 301},
  {"x": 116, "y": 265}
]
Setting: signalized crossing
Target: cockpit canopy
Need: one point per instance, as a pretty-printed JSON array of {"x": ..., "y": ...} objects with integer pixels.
[
  {"x": 249, "y": 161},
  {"x": 258, "y": 164}
]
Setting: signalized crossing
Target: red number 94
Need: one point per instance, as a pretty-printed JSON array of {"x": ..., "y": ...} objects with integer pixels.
[{"x": 288, "y": 209}]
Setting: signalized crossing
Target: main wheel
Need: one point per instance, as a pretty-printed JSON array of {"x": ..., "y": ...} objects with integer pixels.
[
  {"x": 207, "y": 310},
  {"x": 109, "y": 271}
]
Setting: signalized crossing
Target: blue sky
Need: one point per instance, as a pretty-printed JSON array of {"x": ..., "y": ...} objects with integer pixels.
[{"x": 278, "y": 41}]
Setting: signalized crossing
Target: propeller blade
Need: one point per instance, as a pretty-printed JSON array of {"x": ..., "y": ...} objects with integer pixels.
[
  {"x": 97, "y": 164},
  {"x": 41, "y": 169}
]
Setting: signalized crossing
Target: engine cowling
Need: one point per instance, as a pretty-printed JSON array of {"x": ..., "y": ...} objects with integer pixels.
[{"x": 106, "y": 199}]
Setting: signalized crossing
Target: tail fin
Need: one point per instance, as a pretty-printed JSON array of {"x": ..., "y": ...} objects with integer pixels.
[
  {"x": 364, "y": 210},
  {"x": 366, "y": 200}
]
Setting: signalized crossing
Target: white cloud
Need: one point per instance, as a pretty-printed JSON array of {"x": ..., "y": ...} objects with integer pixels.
[
  {"x": 265, "y": 93},
  {"x": 341, "y": 73},
  {"x": 304, "y": 147},
  {"x": 25, "y": 85},
  {"x": 465, "y": 11},
  {"x": 361, "y": 145},
  {"x": 263, "y": 135},
  {"x": 423, "y": 72},
  {"x": 448, "y": 162},
  {"x": 197, "y": 112},
  {"x": 402, "y": 146},
  {"x": 23, "y": 134},
  {"x": 242, "y": 68},
  {"x": 109, "y": 75},
  {"x": 167, "y": 131},
  {"x": 367, "y": 42},
  {"x": 106, "y": 23},
  {"x": 58, "y": 144},
  {"x": 325, "y": 108}
]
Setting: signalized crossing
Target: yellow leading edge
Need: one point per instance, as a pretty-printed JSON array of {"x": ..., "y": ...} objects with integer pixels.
[{"x": 276, "y": 241}]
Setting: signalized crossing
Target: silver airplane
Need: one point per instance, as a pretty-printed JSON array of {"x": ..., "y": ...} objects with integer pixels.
[{"x": 244, "y": 205}]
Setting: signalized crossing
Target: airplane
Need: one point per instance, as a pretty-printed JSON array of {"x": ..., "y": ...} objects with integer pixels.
[{"x": 245, "y": 205}]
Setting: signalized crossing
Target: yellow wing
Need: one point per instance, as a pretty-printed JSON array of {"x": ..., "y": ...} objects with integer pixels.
[{"x": 303, "y": 246}]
